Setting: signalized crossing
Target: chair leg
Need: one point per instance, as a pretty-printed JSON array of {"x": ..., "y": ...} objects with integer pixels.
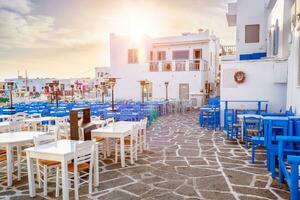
[
  {"x": 38, "y": 171},
  {"x": 253, "y": 152},
  {"x": 140, "y": 142},
  {"x": 116, "y": 153},
  {"x": 131, "y": 155},
  {"x": 57, "y": 182},
  {"x": 19, "y": 162},
  {"x": 45, "y": 180},
  {"x": 76, "y": 188},
  {"x": 281, "y": 177},
  {"x": 136, "y": 153}
]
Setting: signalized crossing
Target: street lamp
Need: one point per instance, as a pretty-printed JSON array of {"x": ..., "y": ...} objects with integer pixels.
[
  {"x": 103, "y": 86},
  {"x": 10, "y": 84},
  {"x": 96, "y": 87},
  {"x": 112, "y": 83},
  {"x": 166, "y": 84},
  {"x": 72, "y": 91}
]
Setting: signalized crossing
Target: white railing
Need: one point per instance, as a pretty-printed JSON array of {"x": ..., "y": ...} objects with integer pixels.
[
  {"x": 228, "y": 50},
  {"x": 178, "y": 65}
]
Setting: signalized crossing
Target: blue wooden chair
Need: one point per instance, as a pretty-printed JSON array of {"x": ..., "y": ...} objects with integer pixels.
[
  {"x": 274, "y": 127},
  {"x": 252, "y": 127},
  {"x": 229, "y": 120},
  {"x": 289, "y": 154}
]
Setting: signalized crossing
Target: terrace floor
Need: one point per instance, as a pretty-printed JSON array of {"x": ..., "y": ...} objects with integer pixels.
[{"x": 184, "y": 162}]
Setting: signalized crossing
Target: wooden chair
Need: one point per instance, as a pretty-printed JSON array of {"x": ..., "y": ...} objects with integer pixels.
[
  {"x": 45, "y": 167},
  {"x": 81, "y": 169},
  {"x": 131, "y": 145},
  {"x": 142, "y": 135}
]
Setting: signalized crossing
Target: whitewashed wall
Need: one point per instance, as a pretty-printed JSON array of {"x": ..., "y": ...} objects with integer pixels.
[
  {"x": 128, "y": 88},
  {"x": 263, "y": 82},
  {"x": 251, "y": 12}
]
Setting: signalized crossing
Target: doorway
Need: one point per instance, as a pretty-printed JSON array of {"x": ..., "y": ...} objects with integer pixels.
[
  {"x": 197, "y": 58},
  {"x": 184, "y": 91}
]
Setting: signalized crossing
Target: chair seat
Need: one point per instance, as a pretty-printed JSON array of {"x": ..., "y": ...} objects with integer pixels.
[
  {"x": 99, "y": 139},
  {"x": 126, "y": 142},
  {"x": 2, "y": 151},
  {"x": 2, "y": 158},
  {"x": 237, "y": 125},
  {"x": 80, "y": 167},
  {"x": 48, "y": 162},
  {"x": 252, "y": 130}
]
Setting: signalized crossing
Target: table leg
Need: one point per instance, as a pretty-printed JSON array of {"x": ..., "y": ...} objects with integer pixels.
[
  {"x": 65, "y": 183},
  {"x": 242, "y": 130},
  {"x": 122, "y": 151},
  {"x": 9, "y": 165},
  {"x": 96, "y": 166},
  {"x": 30, "y": 175},
  {"x": 107, "y": 147}
]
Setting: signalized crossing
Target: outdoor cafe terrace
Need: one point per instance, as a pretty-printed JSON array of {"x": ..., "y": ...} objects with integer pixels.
[{"x": 162, "y": 150}]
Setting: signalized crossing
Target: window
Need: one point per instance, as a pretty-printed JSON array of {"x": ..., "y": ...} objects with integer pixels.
[
  {"x": 252, "y": 33},
  {"x": 161, "y": 55},
  {"x": 133, "y": 56},
  {"x": 151, "y": 56},
  {"x": 181, "y": 55}
]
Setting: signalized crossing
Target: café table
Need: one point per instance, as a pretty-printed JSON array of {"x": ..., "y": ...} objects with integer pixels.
[
  {"x": 10, "y": 140},
  {"x": 61, "y": 151},
  {"x": 116, "y": 130}
]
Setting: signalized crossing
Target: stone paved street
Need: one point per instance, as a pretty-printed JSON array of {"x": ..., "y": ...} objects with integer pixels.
[{"x": 184, "y": 162}]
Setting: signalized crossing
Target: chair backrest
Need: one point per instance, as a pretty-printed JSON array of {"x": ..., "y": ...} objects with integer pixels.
[
  {"x": 144, "y": 123},
  {"x": 84, "y": 153},
  {"x": 253, "y": 123},
  {"x": 36, "y": 115},
  {"x": 134, "y": 133},
  {"x": 15, "y": 126},
  {"x": 53, "y": 130},
  {"x": 109, "y": 121},
  {"x": 44, "y": 139}
]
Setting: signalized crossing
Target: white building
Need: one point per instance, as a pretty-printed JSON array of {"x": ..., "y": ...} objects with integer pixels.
[
  {"x": 267, "y": 51},
  {"x": 185, "y": 61}
]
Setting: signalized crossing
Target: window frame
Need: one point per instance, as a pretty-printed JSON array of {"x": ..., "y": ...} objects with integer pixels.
[
  {"x": 249, "y": 38},
  {"x": 161, "y": 55},
  {"x": 132, "y": 56}
]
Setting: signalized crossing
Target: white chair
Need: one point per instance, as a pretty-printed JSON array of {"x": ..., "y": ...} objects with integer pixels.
[
  {"x": 53, "y": 130},
  {"x": 131, "y": 145},
  {"x": 101, "y": 141},
  {"x": 83, "y": 162},
  {"x": 142, "y": 136},
  {"x": 46, "y": 168},
  {"x": 63, "y": 127}
]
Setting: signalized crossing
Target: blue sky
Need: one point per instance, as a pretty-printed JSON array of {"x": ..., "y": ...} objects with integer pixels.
[{"x": 68, "y": 38}]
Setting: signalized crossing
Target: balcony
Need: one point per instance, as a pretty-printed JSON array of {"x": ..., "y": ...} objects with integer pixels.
[
  {"x": 228, "y": 50},
  {"x": 178, "y": 65}
]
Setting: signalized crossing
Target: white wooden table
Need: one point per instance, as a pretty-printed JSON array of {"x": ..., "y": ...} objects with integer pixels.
[
  {"x": 241, "y": 120},
  {"x": 61, "y": 151},
  {"x": 10, "y": 140},
  {"x": 4, "y": 126},
  {"x": 115, "y": 130}
]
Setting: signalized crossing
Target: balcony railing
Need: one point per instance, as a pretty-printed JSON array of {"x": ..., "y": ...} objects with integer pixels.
[
  {"x": 178, "y": 65},
  {"x": 228, "y": 50}
]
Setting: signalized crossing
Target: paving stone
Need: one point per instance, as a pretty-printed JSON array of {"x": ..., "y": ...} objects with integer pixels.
[
  {"x": 212, "y": 183},
  {"x": 114, "y": 183},
  {"x": 196, "y": 172},
  {"x": 117, "y": 195},
  {"x": 217, "y": 195},
  {"x": 137, "y": 188},
  {"x": 169, "y": 196},
  {"x": 187, "y": 191},
  {"x": 172, "y": 185},
  {"x": 238, "y": 178},
  {"x": 254, "y": 191}
]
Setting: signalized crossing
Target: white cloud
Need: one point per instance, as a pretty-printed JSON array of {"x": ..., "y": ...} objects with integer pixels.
[
  {"x": 19, "y": 28},
  {"x": 20, "y": 6}
]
